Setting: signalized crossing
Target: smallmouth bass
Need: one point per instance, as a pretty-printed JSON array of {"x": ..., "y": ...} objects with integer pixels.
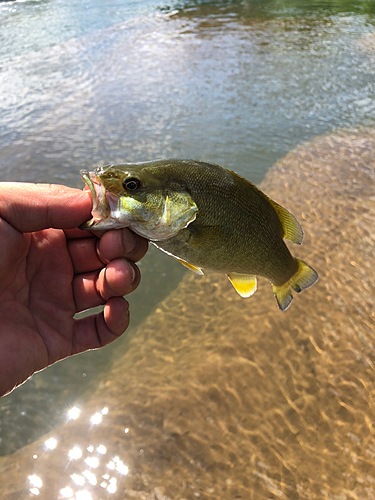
[{"x": 206, "y": 217}]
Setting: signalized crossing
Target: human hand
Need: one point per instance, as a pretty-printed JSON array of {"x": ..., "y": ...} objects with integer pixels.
[{"x": 50, "y": 270}]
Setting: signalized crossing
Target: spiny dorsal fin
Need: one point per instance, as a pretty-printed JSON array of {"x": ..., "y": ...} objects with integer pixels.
[
  {"x": 292, "y": 229},
  {"x": 244, "y": 284}
]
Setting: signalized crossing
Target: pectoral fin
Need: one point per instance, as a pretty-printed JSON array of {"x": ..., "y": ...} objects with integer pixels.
[
  {"x": 244, "y": 284},
  {"x": 195, "y": 269}
]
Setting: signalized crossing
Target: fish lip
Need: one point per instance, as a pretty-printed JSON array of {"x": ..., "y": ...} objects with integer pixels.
[
  {"x": 100, "y": 208},
  {"x": 86, "y": 177}
]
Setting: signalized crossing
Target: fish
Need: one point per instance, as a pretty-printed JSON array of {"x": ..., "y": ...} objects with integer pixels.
[{"x": 207, "y": 217}]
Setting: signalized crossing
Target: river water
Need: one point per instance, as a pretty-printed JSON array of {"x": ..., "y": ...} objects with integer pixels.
[{"x": 85, "y": 83}]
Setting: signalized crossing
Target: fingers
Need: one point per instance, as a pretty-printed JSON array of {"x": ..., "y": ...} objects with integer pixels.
[
  {"x": 89, "y": 254},
  {"x": 95, "y": 285},
  {"x": 122, "y": 243},
  {"x": 32, "y": 207},
  {"x": 120, "y": 277},
  {"x": 84, "y": 255},
  {"x": 100, "y": 329}
]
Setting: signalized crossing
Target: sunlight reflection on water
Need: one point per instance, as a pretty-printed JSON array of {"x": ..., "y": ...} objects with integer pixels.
[{"x": 103, "y": 473}]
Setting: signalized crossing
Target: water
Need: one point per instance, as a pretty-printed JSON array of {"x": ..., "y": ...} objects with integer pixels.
[
  {"x": 238, "y": 83},
  {"x": 207, "y": 81}
]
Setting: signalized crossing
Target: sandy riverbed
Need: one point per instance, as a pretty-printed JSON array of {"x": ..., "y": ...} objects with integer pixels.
[{"x": 228, "y": 398}]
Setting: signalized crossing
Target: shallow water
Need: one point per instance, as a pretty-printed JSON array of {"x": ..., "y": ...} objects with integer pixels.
[
  {"x": 217, "y": 397},
  {"x": 238, "y": 83}
]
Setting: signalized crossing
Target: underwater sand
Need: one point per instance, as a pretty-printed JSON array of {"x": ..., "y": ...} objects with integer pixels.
[{"x": 229, "y": 398}]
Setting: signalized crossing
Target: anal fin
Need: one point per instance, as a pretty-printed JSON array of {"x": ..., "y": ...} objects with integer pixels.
[
  {"x": 195, "y": 269},
  {"x": 244, "y": 284}
]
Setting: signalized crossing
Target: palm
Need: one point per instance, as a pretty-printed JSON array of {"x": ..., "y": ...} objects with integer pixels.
[
  {"x": 36, "y": 303},
  {"x": 47, "y": 276}
]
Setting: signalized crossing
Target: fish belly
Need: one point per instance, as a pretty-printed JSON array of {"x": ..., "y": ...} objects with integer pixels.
[{"x": 228, "y": 254}]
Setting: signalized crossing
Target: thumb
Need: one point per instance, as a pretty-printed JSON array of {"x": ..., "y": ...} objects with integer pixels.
[{"x": 32, "y": 207}]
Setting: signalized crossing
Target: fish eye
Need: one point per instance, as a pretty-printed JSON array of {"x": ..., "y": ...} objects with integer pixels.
[{"x": 131, "y": 184}]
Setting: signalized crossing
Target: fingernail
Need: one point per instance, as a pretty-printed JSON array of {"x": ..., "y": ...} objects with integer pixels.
[
  {"x": 133, "y": 274},
  {"x": 100, "y": 256},
  {"x": 127, "y": 241},
  {"x": 128, "y": 309}
]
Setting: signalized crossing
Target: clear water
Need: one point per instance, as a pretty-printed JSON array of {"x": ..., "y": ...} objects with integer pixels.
[{"x": 87, "y": 83}]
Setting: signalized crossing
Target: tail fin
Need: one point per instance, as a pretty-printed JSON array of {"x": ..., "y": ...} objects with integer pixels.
[{"x": 302, "y": 279}]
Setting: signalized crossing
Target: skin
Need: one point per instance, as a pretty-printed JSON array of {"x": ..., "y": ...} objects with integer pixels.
[{"x": 49, "y": 270}]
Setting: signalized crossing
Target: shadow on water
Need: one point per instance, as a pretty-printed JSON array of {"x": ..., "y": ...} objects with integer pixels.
[
  {"x": 270, "y": 9},
  {"x": 220, "y": 397}
]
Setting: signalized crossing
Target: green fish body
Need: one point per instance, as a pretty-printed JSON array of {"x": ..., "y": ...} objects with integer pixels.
[{"x": 205, "y": 216}]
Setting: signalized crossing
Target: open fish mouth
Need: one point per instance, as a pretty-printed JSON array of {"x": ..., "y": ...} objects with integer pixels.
[{"x": 100, "y": 206}]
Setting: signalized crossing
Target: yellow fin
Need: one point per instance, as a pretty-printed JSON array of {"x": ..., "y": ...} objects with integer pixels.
[
  {"x": 292, "y": 229},
  {"x": 195, "y": 269},
  {"x": 283, "y": 295},
  {"x": 302, "y": 279},
  {"x": 244, "y": 284}
]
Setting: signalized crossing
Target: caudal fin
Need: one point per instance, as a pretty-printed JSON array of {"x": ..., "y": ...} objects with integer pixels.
[{"x": 302, "y": 279}]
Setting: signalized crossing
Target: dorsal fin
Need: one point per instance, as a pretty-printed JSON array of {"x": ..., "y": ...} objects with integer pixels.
[{"x": 292, "y": 229}]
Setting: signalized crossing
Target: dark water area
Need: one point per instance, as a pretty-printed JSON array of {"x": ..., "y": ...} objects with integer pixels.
[
  {"x": 242, "y": 84},
  {"x": 250, "y": 10}
]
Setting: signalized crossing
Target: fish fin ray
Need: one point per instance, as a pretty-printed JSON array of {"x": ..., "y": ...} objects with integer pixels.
[
  {"x": 195, "y": 269},
  {"x": 244, "y": 284},
  {"x": 291, "y": 227},
  {"x": 305, "y": 277},
  {"x": 283, "y": 295}
]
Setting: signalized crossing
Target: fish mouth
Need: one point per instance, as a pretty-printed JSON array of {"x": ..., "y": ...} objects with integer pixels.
[{"x": 100, "y": 206}]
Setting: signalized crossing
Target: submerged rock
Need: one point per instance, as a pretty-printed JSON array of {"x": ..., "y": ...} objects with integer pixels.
[{"x": 220, "y": 397}]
